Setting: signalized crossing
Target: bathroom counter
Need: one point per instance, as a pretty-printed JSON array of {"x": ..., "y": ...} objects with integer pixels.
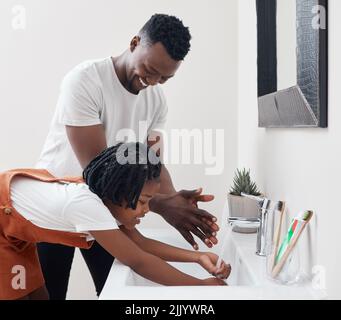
[
  {"x": 248, "y": 279},
  {"x": 246, "y": 247}
]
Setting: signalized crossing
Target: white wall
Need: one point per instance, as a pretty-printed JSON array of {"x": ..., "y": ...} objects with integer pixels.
[
  {"x": 60, "y": 34},
  {"x": 300, "y": 166}
]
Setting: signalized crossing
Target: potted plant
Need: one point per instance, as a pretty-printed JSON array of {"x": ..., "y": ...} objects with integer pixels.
[{"x": 240, "y": 206}]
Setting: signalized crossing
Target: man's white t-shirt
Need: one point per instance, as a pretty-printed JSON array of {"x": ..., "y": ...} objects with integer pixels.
[
  {"x": 68, "y": 207},
  {"x": 92, "y": 94}
]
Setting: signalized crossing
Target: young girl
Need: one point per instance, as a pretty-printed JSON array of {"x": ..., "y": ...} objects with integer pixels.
[{"x": 37, "y": 207}]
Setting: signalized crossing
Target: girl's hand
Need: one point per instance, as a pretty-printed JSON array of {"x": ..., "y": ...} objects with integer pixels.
[
  {"x": 213, "y": 282},
  {"x": 209, "y": 260}
]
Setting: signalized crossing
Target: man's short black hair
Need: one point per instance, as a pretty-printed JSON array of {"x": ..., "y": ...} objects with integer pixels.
[{"x": 170, "y": 31}]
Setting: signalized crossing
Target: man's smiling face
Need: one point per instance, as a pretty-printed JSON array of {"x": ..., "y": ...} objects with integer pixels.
[{"x": 148, "y": 65}]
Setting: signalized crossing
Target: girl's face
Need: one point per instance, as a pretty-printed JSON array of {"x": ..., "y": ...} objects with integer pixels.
[{"x": 130, "y": 217}]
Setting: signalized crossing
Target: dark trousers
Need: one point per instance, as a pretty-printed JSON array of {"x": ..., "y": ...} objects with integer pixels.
[{"x": 56, "y": 262}]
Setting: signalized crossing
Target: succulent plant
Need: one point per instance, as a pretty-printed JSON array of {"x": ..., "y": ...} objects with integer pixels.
[{"x": 242, "y": 183}]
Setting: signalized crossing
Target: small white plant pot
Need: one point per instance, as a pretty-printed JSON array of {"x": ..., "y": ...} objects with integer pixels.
[{"x": 243, "y": 207}]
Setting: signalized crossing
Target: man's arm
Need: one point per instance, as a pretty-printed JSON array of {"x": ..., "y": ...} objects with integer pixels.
[
  {"x": 87, "y": 142},
  {"x": 155, "y": 141},
  {"x": 166, "y": 186},
  {"x": 180, "y": 209}
]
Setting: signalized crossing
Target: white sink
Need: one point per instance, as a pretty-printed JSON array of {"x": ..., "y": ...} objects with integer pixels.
[{"x": 247, "y": 280}]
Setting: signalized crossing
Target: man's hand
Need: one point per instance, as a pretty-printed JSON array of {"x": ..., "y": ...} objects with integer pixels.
[{"x": 180, "y": 210}]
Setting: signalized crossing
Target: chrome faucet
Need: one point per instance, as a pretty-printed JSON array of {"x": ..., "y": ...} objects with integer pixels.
[{"x": 265, "y": 222}]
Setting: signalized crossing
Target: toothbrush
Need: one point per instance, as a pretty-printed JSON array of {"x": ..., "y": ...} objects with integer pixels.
[
  {"x": 277, "y": 237},
  {"x": 294, "y": 226},
  {"x": 295, "y": 230}
]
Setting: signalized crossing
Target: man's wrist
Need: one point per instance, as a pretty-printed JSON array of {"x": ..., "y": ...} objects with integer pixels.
[{"x": 154, "y": 203}]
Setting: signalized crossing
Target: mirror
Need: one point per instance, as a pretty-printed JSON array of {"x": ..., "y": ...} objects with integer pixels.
[
  {"x": 292, "y": 63},
  {"x": 286, "y": 44}
]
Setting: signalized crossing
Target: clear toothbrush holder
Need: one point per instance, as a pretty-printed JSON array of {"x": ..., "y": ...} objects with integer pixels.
[
  {"x": 284, "y": 263},
  {"x": 290, "y": 273}
]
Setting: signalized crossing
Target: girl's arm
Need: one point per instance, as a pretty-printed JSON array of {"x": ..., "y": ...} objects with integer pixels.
[
  {"x": 167, "y": 252},
  {"x": 144, "y": 263},
  {"x": 160, "y": 249}
]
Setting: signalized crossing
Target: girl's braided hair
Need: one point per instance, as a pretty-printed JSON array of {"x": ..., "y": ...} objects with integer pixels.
[{"x": 118, "y": 173}]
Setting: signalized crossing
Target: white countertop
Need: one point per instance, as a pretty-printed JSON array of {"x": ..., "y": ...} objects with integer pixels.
[{"x": 263, "y": 287}]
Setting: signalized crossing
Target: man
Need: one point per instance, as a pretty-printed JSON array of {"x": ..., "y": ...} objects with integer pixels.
[{"x": 100, "y": 100}]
